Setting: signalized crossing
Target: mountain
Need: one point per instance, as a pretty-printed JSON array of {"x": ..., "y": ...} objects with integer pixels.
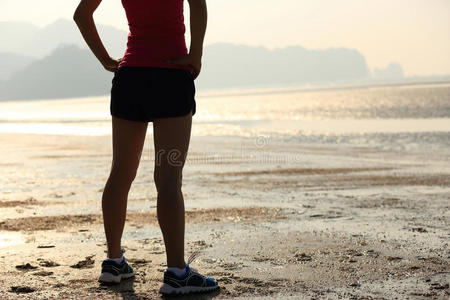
[
  {"x": 26, "y": 39},
  {"x": 224, "y": 65},
  {"x": 393, "y": 71},
  {"x": 228, "y": 65},
  {"x": 23, "y": 41},
  {"x": 12, "y": 62},
  {"x": 70, "y": 71}
]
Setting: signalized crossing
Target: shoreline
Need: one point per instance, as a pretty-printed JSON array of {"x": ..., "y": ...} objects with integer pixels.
[{"x": 279, "y": 89}]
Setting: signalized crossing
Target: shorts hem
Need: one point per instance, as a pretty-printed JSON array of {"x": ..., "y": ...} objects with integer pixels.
[
  {"x": 151, "y": 119},
  {"x": 127, "y": 118}
]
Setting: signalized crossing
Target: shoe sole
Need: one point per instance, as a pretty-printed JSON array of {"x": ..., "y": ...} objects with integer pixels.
[
  {"x": 168, "y": 290},
  {"x": 110, "y": 278}
]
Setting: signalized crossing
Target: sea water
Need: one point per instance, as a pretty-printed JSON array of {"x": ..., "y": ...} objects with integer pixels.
[{"x": 399, "y": 117}]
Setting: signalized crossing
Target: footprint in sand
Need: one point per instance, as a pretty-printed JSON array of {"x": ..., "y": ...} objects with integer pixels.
[
  {"x": 84, "y": 264},
  {"x": 46, "y": 246},
  {"x": 22, "y": 289},
  {"x": 42, "y": 273},
  {"x": 47, "y": 263},
  {"x": 26, "y": 267}
]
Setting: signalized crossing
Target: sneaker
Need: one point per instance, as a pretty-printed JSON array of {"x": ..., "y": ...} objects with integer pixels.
[
  {"x": 113, "y": 272},
  {"x": 191, "y": 282}
]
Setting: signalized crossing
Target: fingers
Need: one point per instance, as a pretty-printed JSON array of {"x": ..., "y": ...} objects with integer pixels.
[
  {"x": 111, "y": 68},
  {"x": 195, "y": 73},
  {"x": 187, "y": 61},
  {"x": 116, "y": 64},
  {"x": 112, "y": 64}
]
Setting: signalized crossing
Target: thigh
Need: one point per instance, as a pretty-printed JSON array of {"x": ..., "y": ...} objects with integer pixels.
[
  {"x": 128, "y": 141},
  {"x": 171, "y": 139},
  {"x": 172, "y": 94}
]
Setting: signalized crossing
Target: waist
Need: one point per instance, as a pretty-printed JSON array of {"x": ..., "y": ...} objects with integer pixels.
[
  {"x": 154, "y": 55},
  {"x": 160, "y": 41},
  {"x": 161, "y": 49},
  {"x": 151, "y": 65},
  {"x": 157, "y": 31}
]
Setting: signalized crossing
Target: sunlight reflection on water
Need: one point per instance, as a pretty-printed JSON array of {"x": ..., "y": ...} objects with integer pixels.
[
  {"x": 398, "y": 109},
  {"x": 251, "y": 128}
]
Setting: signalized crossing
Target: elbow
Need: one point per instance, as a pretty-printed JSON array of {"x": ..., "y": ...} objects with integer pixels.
[
  {"x": 76, "y": 16},
  {"x": 79, "y": 15}
]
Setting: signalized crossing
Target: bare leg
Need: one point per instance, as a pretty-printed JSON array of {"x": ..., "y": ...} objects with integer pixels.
[
  {"x": 171, "y": 138},
  {"x": 128, "y": 141}
]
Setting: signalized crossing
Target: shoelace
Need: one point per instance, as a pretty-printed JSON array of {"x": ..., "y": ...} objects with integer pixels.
[{"x": 191, "y": 258}]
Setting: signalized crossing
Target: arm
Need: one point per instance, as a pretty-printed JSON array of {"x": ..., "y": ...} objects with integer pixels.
[
  {"x": 198, "y": 20},
  {"x": 83, "y": 17}
]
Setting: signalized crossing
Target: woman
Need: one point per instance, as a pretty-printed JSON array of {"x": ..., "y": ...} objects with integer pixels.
[{"x": 153, "y": 82}]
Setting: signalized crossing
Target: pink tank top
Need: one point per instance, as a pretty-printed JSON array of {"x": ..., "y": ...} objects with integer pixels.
[{"x": 156, "y": 33}]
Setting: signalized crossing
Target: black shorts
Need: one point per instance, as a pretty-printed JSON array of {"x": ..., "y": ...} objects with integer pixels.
[{"x": 146, "y": 93}]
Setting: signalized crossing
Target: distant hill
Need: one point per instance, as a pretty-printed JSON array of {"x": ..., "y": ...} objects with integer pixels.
[
  {"x": 20, "y": 42},
  {"x": 393, "y": 71},
  {"x": 27, "y": 39},
  {"x": 70, "y": 71},
  {"x": 32, "y": 68},
  {"x": 228, "y": 65},
  {"x": 12, "y": 62}
]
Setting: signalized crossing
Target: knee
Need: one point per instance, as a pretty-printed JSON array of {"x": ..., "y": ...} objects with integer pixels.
[
  {"x": 124, "y": 174},
  {"x": 167, "y": 181}
]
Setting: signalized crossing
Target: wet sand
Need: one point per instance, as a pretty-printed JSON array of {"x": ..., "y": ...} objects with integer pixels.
[
  {"x": 202, "y": 216},
  {"x": 274, "y": 221}
]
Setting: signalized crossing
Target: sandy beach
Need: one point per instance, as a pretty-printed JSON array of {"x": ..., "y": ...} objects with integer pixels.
[{"x": 272, "y": 219}]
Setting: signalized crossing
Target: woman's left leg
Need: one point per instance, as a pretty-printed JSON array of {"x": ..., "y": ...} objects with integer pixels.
[{"x": 171, "y": 139}]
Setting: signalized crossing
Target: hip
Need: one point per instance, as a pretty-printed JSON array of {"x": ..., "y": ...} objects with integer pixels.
[
  {"x": 158, "y": 79},
  {"x": 146, "y": 93},
  {"x": 148, "y": 53}
]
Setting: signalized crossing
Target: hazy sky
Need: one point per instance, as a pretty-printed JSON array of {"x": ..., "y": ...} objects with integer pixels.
[{"x": 415, "y": 33}]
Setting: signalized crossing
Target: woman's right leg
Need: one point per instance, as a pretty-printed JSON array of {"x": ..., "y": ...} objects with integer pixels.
[{"x": 128, "y": 140}]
